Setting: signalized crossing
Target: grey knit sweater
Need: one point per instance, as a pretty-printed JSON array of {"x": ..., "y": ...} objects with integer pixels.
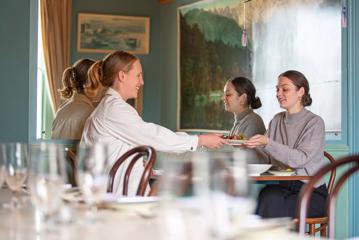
[
  {"x": 296, "y": 141},
  {"x": 248, "y": 123}
]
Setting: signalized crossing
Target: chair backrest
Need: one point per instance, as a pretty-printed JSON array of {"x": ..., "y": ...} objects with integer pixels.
[
  {"x": 134, "y": 155},
  {"x": 332, "y": 172},
  {"x": 306, "y": 191},
  {"x": 71, "y": 159}
]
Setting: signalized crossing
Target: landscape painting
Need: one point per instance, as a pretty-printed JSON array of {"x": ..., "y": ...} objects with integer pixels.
[
  {"x": 211, "y": 51},
  {"x": 105, "y": 33}
]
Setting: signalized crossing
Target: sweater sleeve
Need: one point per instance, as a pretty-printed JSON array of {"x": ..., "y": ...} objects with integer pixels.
[{"x": 310, "y": 146}]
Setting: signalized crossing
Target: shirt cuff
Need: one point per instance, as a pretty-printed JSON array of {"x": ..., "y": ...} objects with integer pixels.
[{"x": 193, "y": 143}]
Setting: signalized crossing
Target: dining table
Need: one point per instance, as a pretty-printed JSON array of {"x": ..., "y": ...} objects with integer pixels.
[
  {"x": 263, "y": 178},
  {"x": 118, "y": 222}
]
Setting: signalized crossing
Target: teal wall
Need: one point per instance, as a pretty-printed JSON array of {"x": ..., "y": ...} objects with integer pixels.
[
  {"x": 150, "y": 63},
  {"x": 17, "y": 70}
]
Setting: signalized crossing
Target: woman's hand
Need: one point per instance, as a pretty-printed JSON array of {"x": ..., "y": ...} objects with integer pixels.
[
  {"x": 211, "y": 140},
  {"x": 256, "y": 141}
]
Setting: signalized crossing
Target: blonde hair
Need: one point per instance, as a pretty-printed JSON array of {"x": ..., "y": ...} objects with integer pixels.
[
  {"x": 103, "y": 73},
  {"x": 75, "y": 78}
]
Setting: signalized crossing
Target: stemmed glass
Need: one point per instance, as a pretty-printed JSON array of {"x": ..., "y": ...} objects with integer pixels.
[
  {"x": 2, "y": 165},
  {"x": 92, "y": 175},
  {"x": 16, "y": 159},
  {"x": 47, "y": 176},
  {"x": 223, "y": 179}
]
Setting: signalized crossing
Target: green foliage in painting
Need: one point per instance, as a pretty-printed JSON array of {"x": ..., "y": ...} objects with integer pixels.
[{"x": 210, "y": 54}]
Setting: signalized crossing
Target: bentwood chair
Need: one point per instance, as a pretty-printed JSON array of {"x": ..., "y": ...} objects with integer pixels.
[
  {"x": 322, "y": 221},
  {"x": 133, "y": 155},
  {"x": 306, "y": 192},
  {"x": 71, "y": 160}
]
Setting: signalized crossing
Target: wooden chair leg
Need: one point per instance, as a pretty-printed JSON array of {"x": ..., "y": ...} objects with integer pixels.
[
  {"x": 311, "y": 229},
  {"x": 323, "y": 231}
]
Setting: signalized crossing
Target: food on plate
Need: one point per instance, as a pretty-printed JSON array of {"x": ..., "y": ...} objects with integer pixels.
[{"x": 240, "y": 136}]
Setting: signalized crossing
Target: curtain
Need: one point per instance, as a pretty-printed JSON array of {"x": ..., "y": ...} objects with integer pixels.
[{"x": 56, "y": 27}]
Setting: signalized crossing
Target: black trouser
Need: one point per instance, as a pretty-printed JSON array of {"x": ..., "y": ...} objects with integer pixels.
[{"x": 280, "y": 200}]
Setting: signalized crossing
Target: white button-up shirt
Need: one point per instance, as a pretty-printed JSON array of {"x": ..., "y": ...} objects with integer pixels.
[{"x": 116, "y": 122}]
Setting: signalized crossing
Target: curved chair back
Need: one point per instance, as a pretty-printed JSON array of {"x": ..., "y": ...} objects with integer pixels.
[
  {"x": 71, "y": 159},
  {"x": 134, "y": 155},
  {"x": 306, "y": 192},
  {"x": 333, "y": 172}
]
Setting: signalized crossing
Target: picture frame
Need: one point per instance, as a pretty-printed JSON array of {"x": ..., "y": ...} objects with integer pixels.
[
  {"x": 103, "y": 33},
  {"x": 209, "y": 52},
  {"x": 137, "y": 102}
]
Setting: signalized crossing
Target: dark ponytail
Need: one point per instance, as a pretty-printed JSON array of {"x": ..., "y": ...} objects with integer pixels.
[{"x": 244, "y": 85}]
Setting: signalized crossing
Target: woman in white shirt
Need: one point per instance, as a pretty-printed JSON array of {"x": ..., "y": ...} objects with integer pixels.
[{"x": 116, "y": 122}]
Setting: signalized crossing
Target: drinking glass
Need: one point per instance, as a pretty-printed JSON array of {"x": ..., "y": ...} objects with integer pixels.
[
  {"x": 224, "y": 189},
  {"x": 47, "y": 177},
  {"x": 205, "y": 193},
  {"x": 16, "y": 160},
  {"x": 92, "y": 176},
  {"x": 2, "y": 165},
  {"x": 182, "y": 210}
]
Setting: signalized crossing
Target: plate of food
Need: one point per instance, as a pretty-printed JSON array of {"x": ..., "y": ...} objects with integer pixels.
[
  {"x": 238, "y": 139},
  {"x": 282, "y": 172}
]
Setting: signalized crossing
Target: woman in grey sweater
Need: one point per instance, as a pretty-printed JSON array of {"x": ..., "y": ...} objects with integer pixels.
[
  {"x": 295, "y": 139},
  {"x": 240, "y": 98}
]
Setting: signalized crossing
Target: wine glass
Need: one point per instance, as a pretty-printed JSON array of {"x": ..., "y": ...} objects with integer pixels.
[
  {"x": 47, "y": 177},
  {"x": 16, "y": 160},
  {"x": 2, "y": 165},
  {"x": 223, "y": 179},
  {"x": 92, "y": 175}
]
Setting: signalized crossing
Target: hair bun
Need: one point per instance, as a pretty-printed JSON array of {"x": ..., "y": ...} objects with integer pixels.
[{"x": 256, "y": 103}]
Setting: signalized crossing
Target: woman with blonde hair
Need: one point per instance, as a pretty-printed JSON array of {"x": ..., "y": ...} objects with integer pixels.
[
  {"x": 117, "y": 123},
  {"x": 71, "y": 116}
]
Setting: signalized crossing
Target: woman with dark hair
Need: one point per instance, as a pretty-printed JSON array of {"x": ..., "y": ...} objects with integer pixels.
[
  {"x": 295, "y": 139},
  {"x": 240, "y": 99},
  {"x": 71, "y": 116}
]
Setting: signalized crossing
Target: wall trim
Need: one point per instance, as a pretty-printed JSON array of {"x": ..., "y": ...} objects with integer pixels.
[{"x": 353, "y": 113}]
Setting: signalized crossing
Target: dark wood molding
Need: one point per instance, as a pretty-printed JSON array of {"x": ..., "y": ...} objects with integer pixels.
[{"x": 164, "y": 1}]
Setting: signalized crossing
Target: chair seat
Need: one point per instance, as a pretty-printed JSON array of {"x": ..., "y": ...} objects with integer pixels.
[{"x": 320, "y": 220}]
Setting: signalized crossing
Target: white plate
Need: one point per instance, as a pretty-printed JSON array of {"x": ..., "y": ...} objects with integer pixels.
[
  {"x": 158, "y": 172},
  {"x": 109, "y": 197},
  {"x": 255, "y": 222},
  {"x": 236, "y": 142},
  {"x": 281, "y": 173}
]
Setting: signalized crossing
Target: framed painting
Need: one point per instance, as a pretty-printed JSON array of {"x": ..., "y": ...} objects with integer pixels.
[
  {"x": 137, "y": 102},
  {"x": 106, "y": 33},
  {"x": 210, "y": 51}
]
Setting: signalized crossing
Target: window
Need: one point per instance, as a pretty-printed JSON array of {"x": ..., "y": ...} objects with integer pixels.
[
  {"x": 45, "y": 116},
  {"x": 305, "y": 36}
]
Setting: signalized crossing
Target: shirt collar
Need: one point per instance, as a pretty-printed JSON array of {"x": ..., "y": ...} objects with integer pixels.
[
  {"x": 240, "y": 116},
  {"x": 112, "y": 92},
  {"x": 294, "y": 117}
]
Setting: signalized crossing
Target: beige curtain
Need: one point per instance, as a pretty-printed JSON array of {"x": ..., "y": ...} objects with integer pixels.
[{"x": 56, "y": 26}]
